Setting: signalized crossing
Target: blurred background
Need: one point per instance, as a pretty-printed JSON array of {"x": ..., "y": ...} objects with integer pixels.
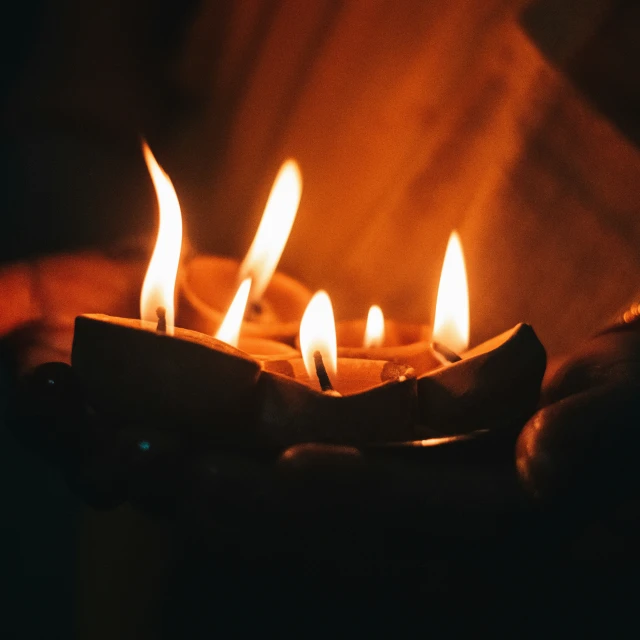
[{"x": 514, "y": 121}]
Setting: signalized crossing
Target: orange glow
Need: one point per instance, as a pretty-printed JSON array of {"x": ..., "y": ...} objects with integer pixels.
[
  {"x": 229, "y": 330},
  {"x": 280, "y": 212},
  {"x": 158, "y": 289},
  {"x": 451, "y": 324},
  {"x": 318, "y": 333},
  {"x": 374, "y": 332}
]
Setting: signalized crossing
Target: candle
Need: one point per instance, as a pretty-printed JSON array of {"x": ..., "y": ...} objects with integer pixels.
[
  {"x": 410, "y": 343},
  {"x": 229, "y": 331},
  {"x": 150, "y": 372},
  {"x": 494, "y": 385},
  {"x": 382, "y": 339},
  {"x": 276, "y": 301},
  {"x": 320, "y": 397}
]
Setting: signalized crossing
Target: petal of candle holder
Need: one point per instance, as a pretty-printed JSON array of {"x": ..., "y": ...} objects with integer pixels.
[
  {"x": 495, "y": 385},
  {"x": 131, "y": 372},
  {"x": 208, "y": 284},
  {"x": 292, "y": 412}
]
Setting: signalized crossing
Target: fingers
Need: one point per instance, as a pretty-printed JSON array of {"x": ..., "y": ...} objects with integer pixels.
[
  {"x": 163, "y": 470},
  {"x": 584, "y": 448},
  {"x": 41, "y": 300},
  {"x": 609, "y": 359}
]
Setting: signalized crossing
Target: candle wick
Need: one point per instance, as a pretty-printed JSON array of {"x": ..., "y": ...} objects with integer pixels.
[
  {"x": 321, "y": 372},
  {"x": 445, "y": 354},
  {"x": 161, "y": 312}
]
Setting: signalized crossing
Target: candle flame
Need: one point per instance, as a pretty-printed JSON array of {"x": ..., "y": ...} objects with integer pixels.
[
  {"x": 229, "y": 330},
  {"x": 158, "y": 289},
  {"x": 374, "y": 332},
  {"x": 318, "y": 333},
  {"x": 451, "y": 324},
  {"x": 274, "y": 229}
]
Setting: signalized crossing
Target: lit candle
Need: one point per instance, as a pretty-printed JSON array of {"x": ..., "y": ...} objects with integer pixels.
[
  {"x": 320, "y": 397},
  {"x": 416, "y": 344},
  {"x": 229, "y": 331},
  {"x": 150, "y": 372},
  {"x": 390, "y": 340},
  {"x": 276, "y": 301},
  {"x": 494, "y": 385}
]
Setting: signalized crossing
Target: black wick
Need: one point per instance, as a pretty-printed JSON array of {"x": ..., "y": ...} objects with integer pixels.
[
  {"x": 161, "y": 312},
  {"x": 321, "y": 372},
  {"x": 446, "y": 353}
]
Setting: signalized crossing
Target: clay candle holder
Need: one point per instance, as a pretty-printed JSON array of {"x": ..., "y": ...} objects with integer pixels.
[
  {"x": 208, "y": 284},
  {"x": 322, "y": 398},
  {"x": 400, "y": 342},
  {"x": 148, "y": 372},
  {"x": 276, "y": 301},
  {"x": 131, "y": 371},
  {"x": 495, "y": 385},
  {"x": 266, "y": 350}
]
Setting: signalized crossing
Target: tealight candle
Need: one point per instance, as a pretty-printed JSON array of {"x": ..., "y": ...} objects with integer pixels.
[
  {"x": 382, "y": 339},
  {"x": 149, "y": 372},
  {"x": 276, "y": 301},
  {"x": 496, "y": 384},
  {"x": 320, "y": 397}
]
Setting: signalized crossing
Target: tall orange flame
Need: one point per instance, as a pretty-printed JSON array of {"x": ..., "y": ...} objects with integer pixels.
[
  {"x": 270, "y": 239},
  {"x": 158, "y": 289},
  {"x": 451, "y": 324}
]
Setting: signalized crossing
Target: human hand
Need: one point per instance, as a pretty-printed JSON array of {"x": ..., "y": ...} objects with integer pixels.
[
  {"x": 580, "y": 448},
  {"x": 42, "y": 297}
]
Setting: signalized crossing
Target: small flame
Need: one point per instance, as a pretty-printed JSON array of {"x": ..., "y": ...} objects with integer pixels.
[
  {"x": 374, "y": 332},
  {"x": 280, "y": 212},
  {"x": 451, "y": 324},
  {"x": 229, "y": 330},
  {"x": 158, "y": 289},
  {"x": 318, "y": 333}
]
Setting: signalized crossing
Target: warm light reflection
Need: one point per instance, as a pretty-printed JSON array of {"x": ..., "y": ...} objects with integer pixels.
[
  {"x": 267, "y": 247},
  {"x": 158, "y": 289},
  {"x": 451, "y": 324},
  {"x": 374, "y": 332},
  {"x": 318, "y": 333},
  {"x": 229, "y": 330}
]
